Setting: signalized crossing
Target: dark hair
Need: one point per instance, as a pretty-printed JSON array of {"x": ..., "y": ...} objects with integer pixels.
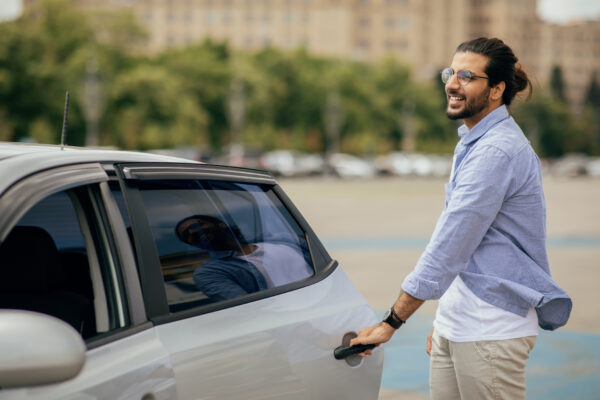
[
  {"x": 502, "y": 66},
  {"x": 233, "y": 229}
]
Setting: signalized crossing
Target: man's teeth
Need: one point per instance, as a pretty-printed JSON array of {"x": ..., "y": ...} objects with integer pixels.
[{"x": 456, "y": 98}]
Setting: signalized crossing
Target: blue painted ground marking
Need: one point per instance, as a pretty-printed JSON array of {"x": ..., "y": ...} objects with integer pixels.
[
  {"x": 402, "y": 243},
  {"x": 563, "y": 364}
]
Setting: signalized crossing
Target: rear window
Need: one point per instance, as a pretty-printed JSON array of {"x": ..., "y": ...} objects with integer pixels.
[{"x": 221, "y": 240}]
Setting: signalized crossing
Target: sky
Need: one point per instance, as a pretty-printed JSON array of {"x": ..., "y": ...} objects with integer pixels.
[{"x": 558, "y": 11}]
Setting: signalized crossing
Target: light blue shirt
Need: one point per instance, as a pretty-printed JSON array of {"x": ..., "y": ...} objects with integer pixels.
[{"x": 492, "y": 231}]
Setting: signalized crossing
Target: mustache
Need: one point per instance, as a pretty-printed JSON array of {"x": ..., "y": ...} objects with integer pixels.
[{"x": 452, "y": 92}]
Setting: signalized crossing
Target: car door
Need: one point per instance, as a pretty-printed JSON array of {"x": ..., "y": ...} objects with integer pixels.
[
  {"x": 64, "y": 251},
  {"x": 230, "y": 334}
]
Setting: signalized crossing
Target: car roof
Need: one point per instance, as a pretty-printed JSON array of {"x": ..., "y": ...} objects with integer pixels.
[{"x": 18, "y": 160}]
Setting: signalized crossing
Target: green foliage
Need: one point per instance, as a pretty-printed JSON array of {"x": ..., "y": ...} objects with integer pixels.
[
  {"x": 155, "y": 110},
  {"x": 547, "y": 123},
  {"x": 38, "y": 56},
  {"x": 557, "y": 84},
  {"x": 183, "y": 97},
  {"x": 592, "y": 98}
]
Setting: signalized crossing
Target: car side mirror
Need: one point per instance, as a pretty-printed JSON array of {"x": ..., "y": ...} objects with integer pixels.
[{"x": 37, "y": 349}]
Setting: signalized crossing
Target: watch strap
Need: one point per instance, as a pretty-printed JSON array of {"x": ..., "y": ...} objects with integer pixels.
[{"x": 393, "y": 319}]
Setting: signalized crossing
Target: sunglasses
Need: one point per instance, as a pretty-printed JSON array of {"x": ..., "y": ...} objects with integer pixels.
[
  {"x": 194, "y": 227},
  {"x": 464, "y": 76}
]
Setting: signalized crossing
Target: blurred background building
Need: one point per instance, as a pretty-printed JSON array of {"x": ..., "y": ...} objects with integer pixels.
[{"x": 423, "y": 33}]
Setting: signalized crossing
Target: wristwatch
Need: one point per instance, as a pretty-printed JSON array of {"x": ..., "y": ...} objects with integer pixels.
[{"x": 391, "y": 318}]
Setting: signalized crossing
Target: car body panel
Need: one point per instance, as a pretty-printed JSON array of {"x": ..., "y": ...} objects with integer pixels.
[
  {"x": 21, "y": 160},
  {"x": 130, "y": 368},
  {"x": 280, "y": 347},
  {"x": 276, "y": 345}
]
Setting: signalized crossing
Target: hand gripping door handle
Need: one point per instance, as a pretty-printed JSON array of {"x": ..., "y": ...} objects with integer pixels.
[{"x": 342, "y": 352}]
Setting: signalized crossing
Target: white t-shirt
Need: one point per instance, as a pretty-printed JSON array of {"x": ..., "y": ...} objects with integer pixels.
[
  {"x": 463, "y": 317},
  {"x": 279, "y": 264}
]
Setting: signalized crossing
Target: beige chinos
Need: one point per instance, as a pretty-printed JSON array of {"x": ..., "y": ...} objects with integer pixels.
[{"x": 491, "y": 369}]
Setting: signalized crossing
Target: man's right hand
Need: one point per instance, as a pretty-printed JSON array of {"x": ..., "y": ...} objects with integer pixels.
[
  {"x": 428, "y": 348},
  {"x": 376, "y": 334}
]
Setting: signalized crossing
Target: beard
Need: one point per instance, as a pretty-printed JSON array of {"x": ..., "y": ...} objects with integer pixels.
[{"x": 473, "y": 106}]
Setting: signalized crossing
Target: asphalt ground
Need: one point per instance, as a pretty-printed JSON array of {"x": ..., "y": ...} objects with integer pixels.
[{"x": 377, "y": 230}]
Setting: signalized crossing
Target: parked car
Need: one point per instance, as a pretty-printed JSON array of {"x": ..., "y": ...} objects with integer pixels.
[
  {"x": 592, "y": 167},
  {"x": 289, "y": 163},
  {"x": 143, "y": 276},
  {"x": 570, "y": 166},
  {"x": 402, "y": 164},
  {"x": 349, "y": 166}
]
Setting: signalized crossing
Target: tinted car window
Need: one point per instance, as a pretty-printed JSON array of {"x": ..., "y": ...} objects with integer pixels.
[
  {"x": 221, "y": 240},
  {"x": 56, "y": 215},
  {"x": 46, "y": 265}
]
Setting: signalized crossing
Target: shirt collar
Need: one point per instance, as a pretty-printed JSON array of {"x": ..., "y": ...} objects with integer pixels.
[{"x": 469, "y": 136}]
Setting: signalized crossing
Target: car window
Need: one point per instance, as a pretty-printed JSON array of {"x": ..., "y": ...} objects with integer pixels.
[
  {"x": 56, "y": 260},
  {"x": 221, "y": 240}
]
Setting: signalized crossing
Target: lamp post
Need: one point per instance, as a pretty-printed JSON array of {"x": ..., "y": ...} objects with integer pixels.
[
  {"x": 237, "y": 118},
  {"x": 333, "y": 121},
  {"x": 92, "y": 106}
]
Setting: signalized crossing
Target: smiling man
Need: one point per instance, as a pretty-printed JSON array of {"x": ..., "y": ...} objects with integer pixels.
[{"x": 486, "y": 261}]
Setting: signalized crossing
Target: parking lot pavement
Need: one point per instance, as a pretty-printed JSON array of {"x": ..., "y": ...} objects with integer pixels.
[
  {"x": 562, "y": 365},
  {"x": 387, "y": 394},
  {"x": 377, "y": 230}
]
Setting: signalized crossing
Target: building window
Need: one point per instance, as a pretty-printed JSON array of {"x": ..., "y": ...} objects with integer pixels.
[
  {"x": 399, "y": 23},
  {"x": 364, "y": 21},
  {"x": 363, "y": 44},
  {"x": 210, "y": 17}
]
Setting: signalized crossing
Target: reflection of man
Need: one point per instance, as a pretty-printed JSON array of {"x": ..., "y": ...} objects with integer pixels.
[
  {"x": 487, "y": 256},
  {"x": 236, "y": 267}
]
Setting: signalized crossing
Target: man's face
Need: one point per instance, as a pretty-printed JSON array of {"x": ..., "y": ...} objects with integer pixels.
[
  {"x": 472, "y": 101},
  {"x": 206, "y": 234}
]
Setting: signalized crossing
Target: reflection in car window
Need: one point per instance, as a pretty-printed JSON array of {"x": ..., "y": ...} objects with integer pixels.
[{"x": 221, "y": 240}]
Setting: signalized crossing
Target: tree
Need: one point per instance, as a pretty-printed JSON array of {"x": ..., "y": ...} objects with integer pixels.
[
  {"x": 557, "y": 84},
  {"x": 547, "y": 123},
  {"x": 39, "y": 62},
  {"x": 592, "y": 97},
  {"x": 152, "y": 109},
  {"x": 205, "y": 73},
  {"x": 591, "y": 115}
]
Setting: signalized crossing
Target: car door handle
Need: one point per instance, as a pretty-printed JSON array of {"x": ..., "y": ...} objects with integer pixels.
[{"x": 342, "y": 352}]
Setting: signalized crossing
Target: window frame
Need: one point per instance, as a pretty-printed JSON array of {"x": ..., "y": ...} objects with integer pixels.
[
  {"x": 147, "y": 253},
  {"x": 85, "y": 181}
]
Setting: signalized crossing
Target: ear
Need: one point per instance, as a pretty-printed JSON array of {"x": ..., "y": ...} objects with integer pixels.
[{"x": 497, "y": 91}]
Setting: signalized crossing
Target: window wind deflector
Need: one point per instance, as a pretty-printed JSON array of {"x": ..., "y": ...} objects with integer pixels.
[{"x": 161, "y": 171}]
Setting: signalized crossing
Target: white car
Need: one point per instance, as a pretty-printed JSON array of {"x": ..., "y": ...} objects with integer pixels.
[
  {"x": 349, "y": 166},
  {"x": 114, "y": 284}
]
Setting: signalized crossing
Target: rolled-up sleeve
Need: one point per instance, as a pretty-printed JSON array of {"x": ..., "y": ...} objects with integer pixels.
[{"x": 473, "y": 199}]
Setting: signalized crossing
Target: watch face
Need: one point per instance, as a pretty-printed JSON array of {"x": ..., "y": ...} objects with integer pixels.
[
  {"x": 389, "y": 318},
  {"x": 387, "y": 314}
]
